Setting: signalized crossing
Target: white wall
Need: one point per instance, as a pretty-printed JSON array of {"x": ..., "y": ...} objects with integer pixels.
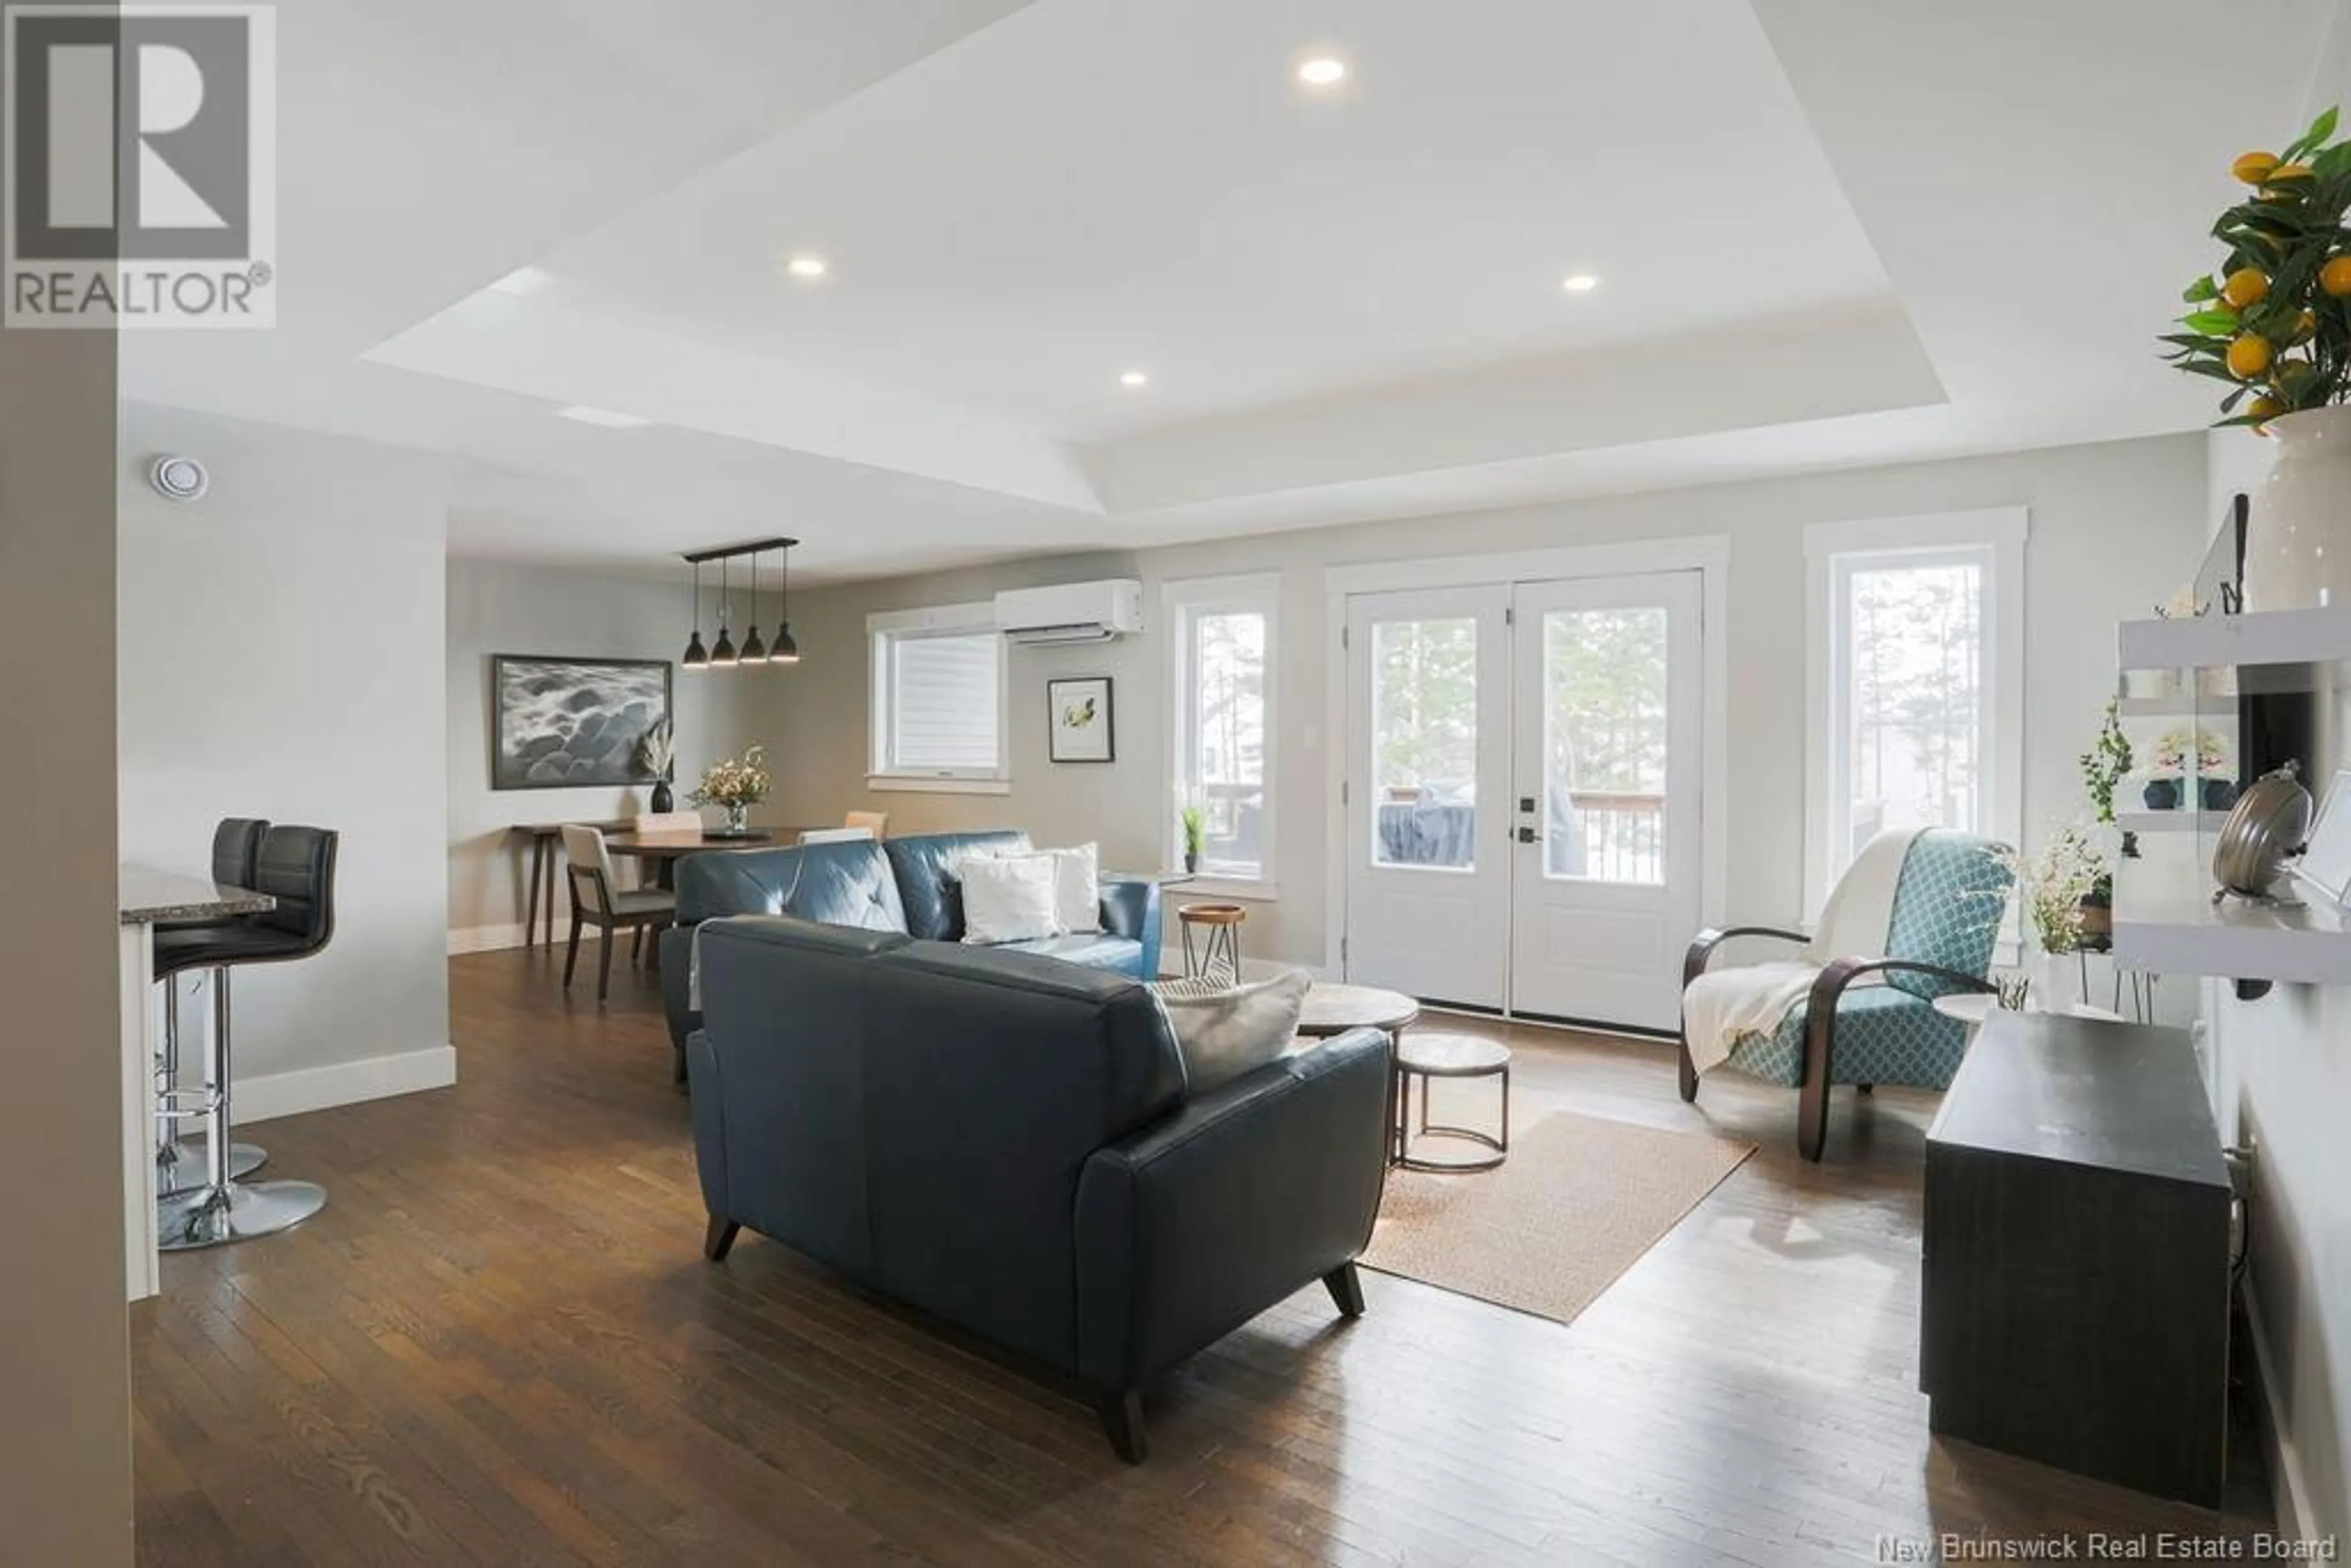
[
  {"x": 65, "y": 1380},
  {"x": 2281, "y": 1072},
  {"x": 495, "y": 608},
  {"x": 281, "y": 647},
  {"x": 2115, "y": 529}
]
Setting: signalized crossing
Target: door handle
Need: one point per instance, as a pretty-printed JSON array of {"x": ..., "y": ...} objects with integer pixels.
[{"x": 1529, "y": 836}]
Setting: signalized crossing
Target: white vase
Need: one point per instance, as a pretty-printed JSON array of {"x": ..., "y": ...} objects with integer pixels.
[
  {"x": 2056, "y": 981},
  {"x": 2298, "y": 534}
]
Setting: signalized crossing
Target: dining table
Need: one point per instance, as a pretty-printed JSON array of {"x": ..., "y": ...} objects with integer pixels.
[{"x": 662, "y": 852}]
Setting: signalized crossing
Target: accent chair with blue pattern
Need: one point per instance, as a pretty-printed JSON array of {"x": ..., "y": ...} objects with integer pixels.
[{"x": 1948, "y": 905}]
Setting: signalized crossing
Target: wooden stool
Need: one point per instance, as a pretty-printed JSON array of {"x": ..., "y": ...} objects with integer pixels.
[{"x": 1219, "y": 953}]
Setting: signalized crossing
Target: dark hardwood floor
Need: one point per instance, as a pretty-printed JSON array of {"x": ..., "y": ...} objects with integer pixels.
[{"x": 500, "y": 1345}]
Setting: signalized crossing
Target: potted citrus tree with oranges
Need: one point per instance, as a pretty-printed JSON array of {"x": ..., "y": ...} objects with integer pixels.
[{"x": 2273, "y": 322}]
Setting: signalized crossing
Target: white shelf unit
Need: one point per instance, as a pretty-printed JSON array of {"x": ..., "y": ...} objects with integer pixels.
[
  {"x": 2200, "y": 823},
  {"x": 2209, "y": 708},
  {"x": 2259, "y": 637},
  {"x": 2166, "y": 921},
  {"x": 2165, "y": 918}
]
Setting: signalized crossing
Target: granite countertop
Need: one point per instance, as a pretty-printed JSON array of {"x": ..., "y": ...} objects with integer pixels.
[{"x": 151, "y": 896}]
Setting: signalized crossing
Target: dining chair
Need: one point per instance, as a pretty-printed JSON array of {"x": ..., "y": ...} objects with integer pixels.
[
  {"x": 836, "y": 835},
  {"x": 596, "y": 901},
  {"x": 876, "y": 824}
]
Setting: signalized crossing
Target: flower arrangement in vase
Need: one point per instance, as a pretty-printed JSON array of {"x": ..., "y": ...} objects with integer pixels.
[
  {"x": 735, "y": 785},
  {"x": 2187, "y": 753},
  {"x": 2049, "y": 886},
  {"x": 2273, "y": 322}
]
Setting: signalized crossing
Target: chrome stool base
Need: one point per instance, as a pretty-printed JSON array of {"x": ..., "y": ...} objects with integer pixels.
[
  {"x": 239, "y": 1212},
  {"x": 179, "y": 1166}
]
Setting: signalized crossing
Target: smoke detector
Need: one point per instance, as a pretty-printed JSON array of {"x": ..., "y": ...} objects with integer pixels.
[{"x": 178, "y": 478}]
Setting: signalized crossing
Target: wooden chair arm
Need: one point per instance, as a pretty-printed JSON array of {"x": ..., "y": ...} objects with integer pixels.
[
  {"x": 1820, "y": 1033},
  {"x": 1829, "y": 986},
  {"x": 1701, "y": 949}
]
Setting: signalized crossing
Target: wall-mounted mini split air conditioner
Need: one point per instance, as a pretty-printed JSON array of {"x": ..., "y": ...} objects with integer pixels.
[{"x": 1072, "y": 612}]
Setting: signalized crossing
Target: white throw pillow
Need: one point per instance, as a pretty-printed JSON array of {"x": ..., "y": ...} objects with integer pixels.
[
  {"x": 1225, "y": 1031},
  {"x": 1007, "y": 899},
  {"x": 1077, "y": 884}
]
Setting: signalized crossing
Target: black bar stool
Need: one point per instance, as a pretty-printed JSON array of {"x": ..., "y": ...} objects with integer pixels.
[
  {"x": 180, "y": 1163},
  {"x": 296, "y": 867}
]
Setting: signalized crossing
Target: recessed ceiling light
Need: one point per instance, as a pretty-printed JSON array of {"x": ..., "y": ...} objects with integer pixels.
[
  {"x": 605, "y": 418},
  {"x": 1580, "y": 283},
  {"x": 1323, "y": 72},
  {"x": 522, "y": 280},
  {"x": 1135, "y": 379},
  {"x": 807, "y": 266}
]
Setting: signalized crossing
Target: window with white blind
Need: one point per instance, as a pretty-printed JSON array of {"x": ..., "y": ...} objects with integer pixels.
[
  {"x": 1918, "y": 645},
  {"x": 1224, "y": 739},
  {"x": 938, "y": 699}
]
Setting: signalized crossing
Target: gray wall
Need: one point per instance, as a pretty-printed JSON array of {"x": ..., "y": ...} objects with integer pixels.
[
  {"x": 495, "y": 608},
  {"x": 65, "y": 1390},
  {"x": 2116, "y": 529},
  {"x": 281, "y": 645}
]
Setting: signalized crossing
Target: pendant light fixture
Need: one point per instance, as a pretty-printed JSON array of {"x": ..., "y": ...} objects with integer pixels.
[
  {"x": 721, "y": 652},
  {"x": 697, "y": 657},
  {"x": 754, "y": 651},
  {"x": 786, "y": 651}
]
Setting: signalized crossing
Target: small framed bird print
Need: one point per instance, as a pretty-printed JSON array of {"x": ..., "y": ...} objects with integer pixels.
[{"x": 1080, "y": 720}]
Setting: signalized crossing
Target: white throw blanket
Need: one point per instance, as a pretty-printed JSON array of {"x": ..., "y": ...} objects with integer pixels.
[{"x": 1721, "y": 1007}]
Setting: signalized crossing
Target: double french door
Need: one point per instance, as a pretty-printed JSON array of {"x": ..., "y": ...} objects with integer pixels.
[{"x": 1522, "y": 794}]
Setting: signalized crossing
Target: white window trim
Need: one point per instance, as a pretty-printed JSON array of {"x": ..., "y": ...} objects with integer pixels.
[
  {"x": 943, "y": 620},
  {"x": 2002, "y": 530},
  {"x": 1260, "y": 592}
]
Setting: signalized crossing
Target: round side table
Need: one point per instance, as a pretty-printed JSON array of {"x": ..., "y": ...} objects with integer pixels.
[
  {"x": 1221, "y": 940},
  {"x": 1430, "y": 1057}
]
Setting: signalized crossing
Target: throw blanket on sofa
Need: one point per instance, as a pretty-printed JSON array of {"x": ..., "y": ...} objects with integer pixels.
[{"x": 1724, "y": 1005}]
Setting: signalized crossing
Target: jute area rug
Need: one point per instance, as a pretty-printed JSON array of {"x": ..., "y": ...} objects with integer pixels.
[{"x": 1576, "y": 1204}]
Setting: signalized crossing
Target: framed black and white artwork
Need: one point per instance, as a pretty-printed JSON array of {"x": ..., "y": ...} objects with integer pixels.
[
  {"x": 569, "y": 724},
  {"x": 1079, "y": 716}
]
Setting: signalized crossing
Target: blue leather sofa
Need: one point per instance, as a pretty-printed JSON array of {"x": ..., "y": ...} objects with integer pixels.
[
  {"x": 907, "y": 885},
  {"x": 1010, "y": 1144}
]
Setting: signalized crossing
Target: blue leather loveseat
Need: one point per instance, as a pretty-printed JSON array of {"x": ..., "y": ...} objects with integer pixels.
[
  {"x": 1012, "y": 1144},
  {"x": 907, "y": 885}
]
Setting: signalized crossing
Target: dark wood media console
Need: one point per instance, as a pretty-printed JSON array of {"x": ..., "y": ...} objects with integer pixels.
[{"x": 2075, "y": 1307}]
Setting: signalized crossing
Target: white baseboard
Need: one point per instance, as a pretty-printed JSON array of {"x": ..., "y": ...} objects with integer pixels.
[
  {"x": 483, "y": 939},
  {"x": 344, "y": 1084},
  {"x": 2290, "y": 1495}
]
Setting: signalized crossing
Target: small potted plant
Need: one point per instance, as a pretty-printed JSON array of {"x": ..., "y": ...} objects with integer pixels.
[
  {"x": 1195, "y": 823},
  {"x": 2103, "y": 767},
  {"x": 735, "y": 785},
  {"x": 657, "y": 756}
]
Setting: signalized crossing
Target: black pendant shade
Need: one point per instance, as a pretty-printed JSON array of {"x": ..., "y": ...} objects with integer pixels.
[
  {"x": 754, "y": 651},
  {"x": 723, "y": 653},
  {"x": 697, "y": 657}
]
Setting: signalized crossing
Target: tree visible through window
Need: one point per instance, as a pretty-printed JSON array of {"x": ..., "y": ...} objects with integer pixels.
[
  {"x": 1605, "y": 690},
  {"x": 1914, "y": 703}
]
